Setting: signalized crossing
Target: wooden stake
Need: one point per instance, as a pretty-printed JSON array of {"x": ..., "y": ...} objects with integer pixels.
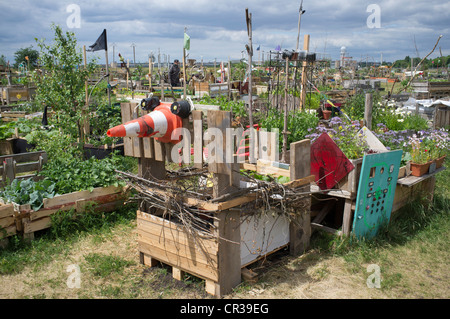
[
  {"x": 184, "y": 68},
  {"x": 368, "y": 111},
  {"x": 304, "y": 77},
  {"x": 285, "y": 132}
]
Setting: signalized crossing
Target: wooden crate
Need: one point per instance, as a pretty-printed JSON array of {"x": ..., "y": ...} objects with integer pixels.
[
  {"x": 169, "y": 242},
  {"x": 11, "y": 94},
  {"x": 30, "y": 221},
  {"x": 7, "y": 221},
  {"x": 161, "y": 240}
]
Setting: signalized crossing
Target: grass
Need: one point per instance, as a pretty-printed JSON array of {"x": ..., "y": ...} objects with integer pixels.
[{"x": 413, "y": 249}]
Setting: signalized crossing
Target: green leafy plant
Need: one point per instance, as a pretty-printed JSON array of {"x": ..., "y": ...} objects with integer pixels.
[
  {"x": 73, "y": 174},
  {"x": 7, "y": 130},
  {"x": 298, "y": 124},
  {"x": 29, "y": 192}
]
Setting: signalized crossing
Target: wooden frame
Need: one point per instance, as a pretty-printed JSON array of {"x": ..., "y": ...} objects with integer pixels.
[{"x": 168, "y": 242}]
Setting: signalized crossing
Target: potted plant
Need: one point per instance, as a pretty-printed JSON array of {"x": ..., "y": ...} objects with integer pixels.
[
  {"x": 421, "y": 156},
  {"x": 426, "y": 148},
  {"x": 440, "y": 146}
]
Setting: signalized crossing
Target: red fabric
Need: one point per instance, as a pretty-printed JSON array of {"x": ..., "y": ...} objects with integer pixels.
[{"x": 328, "y": 162}]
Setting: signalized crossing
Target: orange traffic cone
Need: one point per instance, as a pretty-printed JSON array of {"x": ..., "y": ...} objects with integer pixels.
[{"x": 159, "y": 124}]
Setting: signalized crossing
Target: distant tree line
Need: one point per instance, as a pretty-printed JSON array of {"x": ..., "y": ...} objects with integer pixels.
[{"x": 440, "y": 62}]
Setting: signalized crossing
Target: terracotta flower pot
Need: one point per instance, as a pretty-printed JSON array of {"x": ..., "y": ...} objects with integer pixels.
[
  {"x": 440, "y": 161},
  {"x": 419, "y": 169},
  {"x": 326, "y": 114}
]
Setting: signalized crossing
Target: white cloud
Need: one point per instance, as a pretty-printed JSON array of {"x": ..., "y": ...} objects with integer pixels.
[{"x": 218, "y": 30}]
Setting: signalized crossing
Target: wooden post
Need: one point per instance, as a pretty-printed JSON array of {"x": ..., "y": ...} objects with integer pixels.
[
  {"x": 150, "y": 70},
  {"x": 368, "y": 111},
  {"x": 300, "y": 226},
  {"x": 285, "y": 131},
  {"x": 184, "y": 68},
  {"x": 85, "y": 110},
  {"x": 228, "y": 221},
  {"x": 304, "y": 75},
  {"x": 250, "y": 55},
  {"x": 229, "y": 83}
]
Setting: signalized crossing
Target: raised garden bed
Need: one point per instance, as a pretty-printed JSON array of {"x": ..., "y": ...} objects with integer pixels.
[{"x": 105, "y": 198}]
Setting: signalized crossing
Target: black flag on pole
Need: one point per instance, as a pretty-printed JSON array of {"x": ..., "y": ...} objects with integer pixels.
[{"x": 100, "y": 44}]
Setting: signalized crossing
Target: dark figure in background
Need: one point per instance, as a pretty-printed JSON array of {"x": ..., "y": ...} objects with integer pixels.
[{"x": 174, "y": 74}]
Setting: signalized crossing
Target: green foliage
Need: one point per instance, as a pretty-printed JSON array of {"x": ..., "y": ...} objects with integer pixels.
[
  {"x": 298, "y": 124},
  {"x": 74, "y": 174},
  {"x": 29, "y": 192},
  {"x": 61, "y": 86},
  {"x": 355, "y": 105},
  {"x": 238, "y": 107},
  {"x": 398, "y": 121},
  {"x": 105, "y": 117},
  {"x": 7, "y": 130}
]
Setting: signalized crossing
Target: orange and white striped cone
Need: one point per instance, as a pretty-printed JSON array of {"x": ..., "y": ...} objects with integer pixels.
[{"x": 159, "y": 124}]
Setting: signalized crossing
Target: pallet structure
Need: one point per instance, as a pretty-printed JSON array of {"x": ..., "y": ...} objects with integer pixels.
[{"x": 239, "y": 234}]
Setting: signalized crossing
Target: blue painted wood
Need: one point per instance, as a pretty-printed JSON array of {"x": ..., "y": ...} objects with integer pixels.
[{"x": 376, "y": 190}]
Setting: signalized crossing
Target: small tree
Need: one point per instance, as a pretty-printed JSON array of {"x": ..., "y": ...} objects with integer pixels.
[
  {"x": 61, "y": 83},
  {"x": 28, "y": 56}
]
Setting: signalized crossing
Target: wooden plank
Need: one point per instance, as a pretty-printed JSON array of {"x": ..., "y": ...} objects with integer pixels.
[
  {"x": 6, "y": 210},
  {"x": 39, "y": 224},
  {"x": 148, "y": 146},
  {"x": 73, "y": 197},
  {"x": 167, "y": 230},
  {"x": 6, "y": 221},
  {"x": 160, "y": 151},
  {"x": 197, "y": 117},
  {"x": 188, "y": 252},
  {"x": 347, "y": 220},
  {"x": 161, "y": 236},
  {"x": 127, "y": 142},
  {"x": 413, "y": 180},
  {"x": 229, "y": 263},
  {"x": 326, "y": 229},
  {"x": 300, "y": 182},
  {"x": 300, "y": 161},
  {"x": 300, "y": 226},
  {"x": 8, "y": 231},
  {"x": 201, "y": 270}
]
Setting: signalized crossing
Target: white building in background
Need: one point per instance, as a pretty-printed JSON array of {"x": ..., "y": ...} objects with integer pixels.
[{"x": 343, "y": 55}]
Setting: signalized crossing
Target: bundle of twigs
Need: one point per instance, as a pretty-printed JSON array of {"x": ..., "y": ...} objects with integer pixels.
[{"x": 167, "y": 196}]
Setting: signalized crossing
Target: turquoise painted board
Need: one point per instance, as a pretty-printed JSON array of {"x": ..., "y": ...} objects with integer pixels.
[{"x": 377, "y": 183}]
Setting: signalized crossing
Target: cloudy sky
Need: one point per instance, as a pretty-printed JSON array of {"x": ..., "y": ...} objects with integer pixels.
[{"x": 367, "y": 28}]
